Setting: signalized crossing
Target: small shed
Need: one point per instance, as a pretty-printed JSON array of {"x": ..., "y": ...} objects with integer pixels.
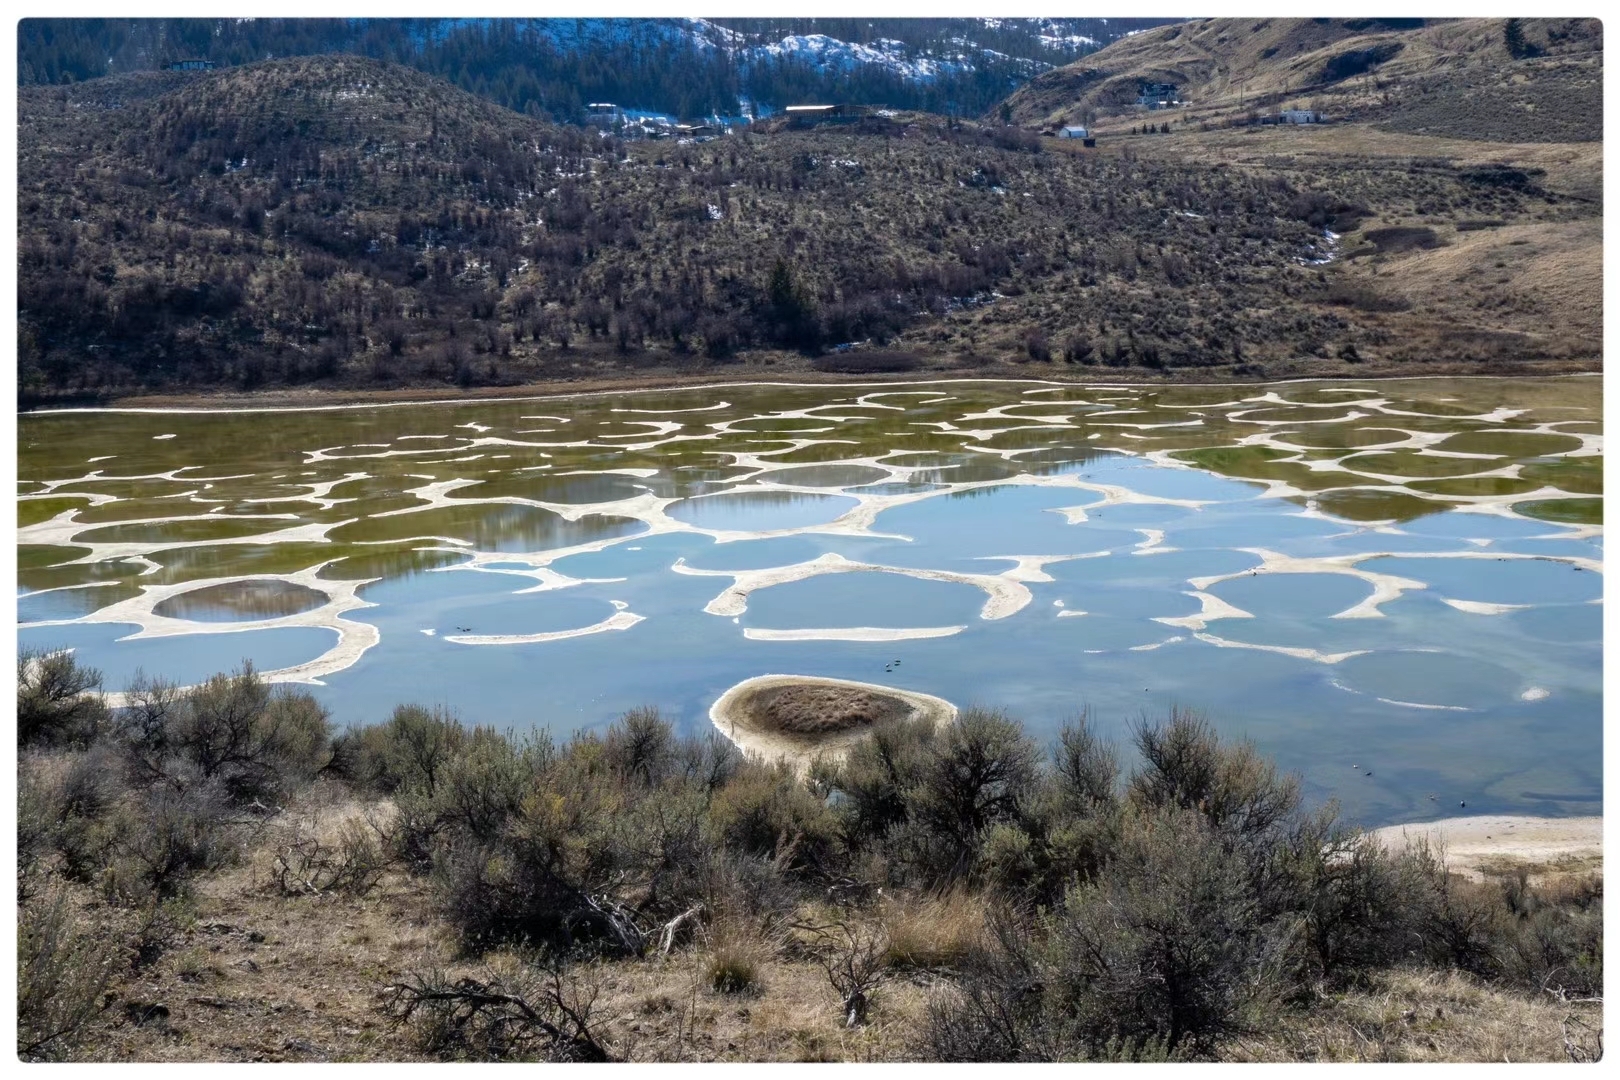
[
  {"x": 1073, "y": 131},
  {"x": 192, "y": 65},
  {"x": 1299, "y": 116}
]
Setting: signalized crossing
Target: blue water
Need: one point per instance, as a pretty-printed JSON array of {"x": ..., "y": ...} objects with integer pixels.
[{"x": 1500, "y": 710}]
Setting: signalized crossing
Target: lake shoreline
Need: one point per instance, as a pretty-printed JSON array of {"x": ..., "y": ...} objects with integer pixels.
[
  {"x": 293, "y": 399},
  {"x": 1477, "y": 844}
]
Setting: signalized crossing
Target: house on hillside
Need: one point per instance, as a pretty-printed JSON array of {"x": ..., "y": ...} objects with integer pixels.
[
  {"x": 1073, "y": 131},
  {"x": 604, "y": 114},
  {"x": 1157, "y": 95},
  {"x": 192, "y": 65},
  {"x": 702, "y": 130},
  {"x": 824, "y": 114},
  {"x": 1299, "y": 116}
]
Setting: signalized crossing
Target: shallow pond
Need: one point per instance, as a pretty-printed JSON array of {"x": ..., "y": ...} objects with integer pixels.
[{"x": 1403, "y": 576}]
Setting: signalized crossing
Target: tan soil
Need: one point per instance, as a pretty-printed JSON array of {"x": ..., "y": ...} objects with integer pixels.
[
  {"x": 1500, "y": 843},
  {"x": 795, "y": 370}
]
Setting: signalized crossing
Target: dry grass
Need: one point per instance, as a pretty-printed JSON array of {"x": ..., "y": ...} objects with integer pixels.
[
  {"x": 1428, "y": 1016},
  {"x": 935, "y": 933},
  {"x": 259, "y": 976},
  {"x": 819, "y": 710}
]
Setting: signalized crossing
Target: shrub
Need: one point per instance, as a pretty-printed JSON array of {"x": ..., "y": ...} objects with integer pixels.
[
  {"x": 544, "y": 882},
  {"x": 640, "y": 746},
  {"x": 1077, "y": 349},
  {"x": 306, "y": 865},
  {"x": 979, "y": 772},
  {"x": 411, "y": 748},
  {"x": 659, "y": 850},
  {"x": 1363, "y": 905},
  {"x": 38, "y": 815},
  {"x": 709, "y": 761},
  {"x": 58, "y": 700},
  {"x": 854, "y": 956},
  {"x": 479, "y": 788},
  {"x": 871, "y": 781},
  {"x": 765, "y": 811},
  {"x": 163, "y": 839},
  {"x": 63, "y": 969},
  {"x": 86, "y": 800},
  {"x": 1085, "y": 769},
  {"x": 1185, "y": 765},
  {"x": 543, "y": 1011},
  {"x": 1554, "y": 938},
  {"x": 256, "y": 741},
  {"x": 1166, "y": 944}
]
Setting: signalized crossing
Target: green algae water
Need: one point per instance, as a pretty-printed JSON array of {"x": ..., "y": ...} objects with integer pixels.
[{"x": 1395, "y": 578}]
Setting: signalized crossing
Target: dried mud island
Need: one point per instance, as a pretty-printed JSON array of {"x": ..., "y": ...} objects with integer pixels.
[{"x": 797, "y": 718}]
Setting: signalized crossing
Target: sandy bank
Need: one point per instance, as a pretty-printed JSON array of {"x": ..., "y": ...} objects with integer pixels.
[
  {"x": 789, "y": 374},
  {"x": 740, "y": 718},
  {"x": 1495, "y": 841}
]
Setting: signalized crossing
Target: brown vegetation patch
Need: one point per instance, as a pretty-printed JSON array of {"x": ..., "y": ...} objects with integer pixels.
[
  {"x": 807, "y": 709},
  {"x": 861, "y": 363},
  {"x": 1403, "y": 238}
]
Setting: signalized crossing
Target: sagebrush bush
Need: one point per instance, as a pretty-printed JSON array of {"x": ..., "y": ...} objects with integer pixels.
[
  {"x": 58, "y": 700},
  {"x": 640, "y": 746},
  {"x": 1364, "y": 905},
  {"x": 767, "y": 812},
  {"x": 63, "y": 969},
  {"x": 258, "y": 742},
  {"x": 411, "y": 748},
  {"x": 1167, "y": 943},
  {"x": 163, "y": 838}
]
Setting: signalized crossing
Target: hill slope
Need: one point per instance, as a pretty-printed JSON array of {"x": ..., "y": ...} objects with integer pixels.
[
  {"x": 350, "y": 223},
  {"x": 552, "y": 67},
  {"x": 1541, "y": 80}
]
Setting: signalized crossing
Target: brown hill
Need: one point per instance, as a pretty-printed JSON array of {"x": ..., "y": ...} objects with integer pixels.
[
  {"x": 348, "y": 224},
  {"x": 1518, "y": 80}
]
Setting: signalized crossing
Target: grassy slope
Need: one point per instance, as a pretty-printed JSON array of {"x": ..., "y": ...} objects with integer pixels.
[{"x": 1451, "y": 76}]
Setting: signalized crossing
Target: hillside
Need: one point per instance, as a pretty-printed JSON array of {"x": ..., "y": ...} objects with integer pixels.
[
  {"x": 348, "y": 223},
  {"x": 552, "y": 67},
  {"x": 1444, "y": 77}
]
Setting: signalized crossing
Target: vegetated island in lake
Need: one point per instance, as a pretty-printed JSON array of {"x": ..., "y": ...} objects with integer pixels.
[
  {"x": 798, "y": 718},
  {"x": 349, "y": 226},
  {"x": 198, "y": 865}
]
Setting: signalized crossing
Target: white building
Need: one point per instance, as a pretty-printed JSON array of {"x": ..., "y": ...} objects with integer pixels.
[
  {"x": 1074, "y": 132},
  {"x": 1299, "y": 116}
]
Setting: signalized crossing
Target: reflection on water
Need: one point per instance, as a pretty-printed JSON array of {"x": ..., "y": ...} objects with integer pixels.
[
  {"x": 1400, "y": 572},
  {"x": 759, "y": 511},
  {"x": 241, "y": 601}
]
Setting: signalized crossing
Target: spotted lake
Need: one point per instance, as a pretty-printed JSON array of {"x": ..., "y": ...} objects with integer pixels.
[{"x": 1400, "y": 579}]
